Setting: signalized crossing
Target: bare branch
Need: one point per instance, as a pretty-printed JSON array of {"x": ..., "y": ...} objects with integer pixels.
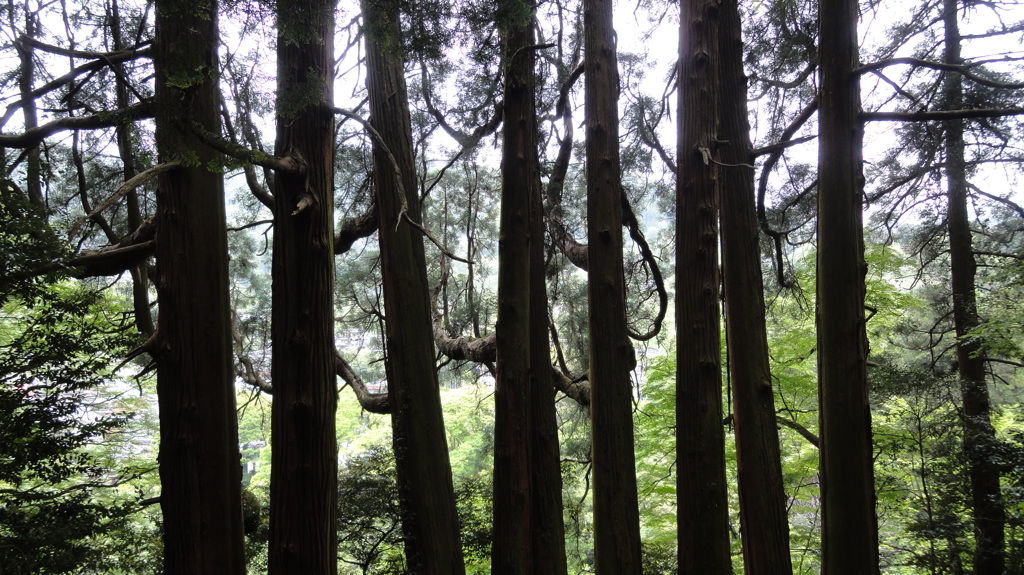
[
  {"x": 35, "y": 136},
  {"x": 803, "y": 431},
  {"x": 964, "y": 69},
  {"x": 355, "y": 228},
  {"x": 122, "y": 191},
  {"x": 940, "y": 115},
  {"x": 291, "y": 164},
  {"x": 372, "y": 402}
]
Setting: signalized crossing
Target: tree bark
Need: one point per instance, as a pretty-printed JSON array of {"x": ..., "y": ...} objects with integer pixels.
[
  {"x": 304, "y": 464},
  {"x": 979, "y": 435},
  {"x": 512, "y": 549},
  {"x": 140, "y": 273},
  {"x": 33, "y": 168},
  {"x": 528, "y": 527},
  {"x": 764, "y": 520},
  {"x": 849, "y": 526},
  {"x": 429, "y": 521},
  {"x": 700, "y": 443},
  {"x": 199, "y": 461},
  {"x": 616, "y": 514}
]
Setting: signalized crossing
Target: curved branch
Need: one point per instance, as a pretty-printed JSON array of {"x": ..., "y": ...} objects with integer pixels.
[
  {"x": 122, "y": 191},
  {"x": 630, "y": 221},
  {"x": 290, "y": 164},
  {"x": 355, "y": 228},
  {"x": 762, "y": 187},
  {"x": 102, "y": 61},
  {"x": 963, "y": 69},
  {"x": 1005, "y": 201},
  {"x": 478, "y": 349},
  {"x": 372, "y": 402},
  {"x": 35, "y": 136}
]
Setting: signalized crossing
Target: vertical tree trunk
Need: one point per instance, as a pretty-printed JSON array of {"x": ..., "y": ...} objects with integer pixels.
[
  {"x": 429, "y": 520},
  {"x": 849, "y": 527},
  {"x": 979, "y": 435},
  {"x": 512, "y": 550},
  {"x": 700, "y": 443},
  {"x": 33, "y": 172},
  {"x": 616, "y": 514},
  {"x": 763, "y": 517},
  {"x": 546, "y": 471},
  {"x": 528, "y": 529},
  {"x": 140, "y": 273},
  {"x": 304, "y": 459},
  {"x": 200, "y": 472}
]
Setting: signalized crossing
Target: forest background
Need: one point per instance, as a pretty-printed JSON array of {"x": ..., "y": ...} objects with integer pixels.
[{"x": 349, "y": 246}]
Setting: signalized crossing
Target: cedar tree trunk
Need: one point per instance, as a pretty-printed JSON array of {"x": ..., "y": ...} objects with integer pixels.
[
  {"x": 979, "y": 435},
  {"x": 429, "y": 520},
  {"x": 616, "y": 514},
  {"x": 528, "y": 527},
  {"x": 304, "y": 458},
  {"x": 700, "y": 443},
  {"x": 849, "y": 532},
  {"x": 200, "y": 474},
  {"x": 764, "y": 519}
]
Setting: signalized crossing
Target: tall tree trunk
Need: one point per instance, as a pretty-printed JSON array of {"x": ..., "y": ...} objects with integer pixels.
[
  {"x": 200, "y": 472},
  {"x": 764, "y": 520},
  {"x": 700, "y": 441},
  {"x": 979, "y": 435},
  {"x": 616, "y": 513},
  {"x": 33, "y": 171},
  {"x": 849, "y": 530},
  {"x": 528, "y": 528},
  {"x": 123, "y": 131},
  {"x": 429, "y": 520},
  {"x": 304, "y": 458},
  {"x": 512, "y": 550},
  {"x": 546, "y": 471}
]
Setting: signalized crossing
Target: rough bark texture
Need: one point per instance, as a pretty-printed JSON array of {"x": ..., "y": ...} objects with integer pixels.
[
  {"x": 528, "y": 528},
  {"x": 764, "y": 520},
  {"x": 429, "y": 520},
  {"x": 849, "y": 527},
  {"x": 512, "y": 550},
  {"x": 616, "y": 516},
  {"x": 199, "y": 462},
  {"x": 304, "y": 463},
  {"x": 700, "y": 442},
  {"x": 979, "y": 435},
  {"x": 546, "y": 471}
]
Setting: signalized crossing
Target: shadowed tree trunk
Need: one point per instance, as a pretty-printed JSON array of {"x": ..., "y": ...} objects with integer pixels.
[
  {"x": 849, "y": 532},
  {"x": 616, "y": 515},
  {"x": 429, "y": 520},
  {"x": 512, "y": 550},
  {"x": 200, "y": 473},
  {"x": 140, "y": 273},
  {"x": 764, "y": 519},
  {"x": 700, "y": 444},
  {"x": 528, "y": 528},
  {"x": 979, "y": 435},
  {"x": 304, "y": 458},
  {"x": 33, "y": 172}
]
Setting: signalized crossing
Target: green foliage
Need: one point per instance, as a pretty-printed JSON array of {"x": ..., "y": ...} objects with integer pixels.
[
  {"x": 27, "y": 246},
  {"x": 369, "y": 521},
  {"x": 57, "y": 496}
]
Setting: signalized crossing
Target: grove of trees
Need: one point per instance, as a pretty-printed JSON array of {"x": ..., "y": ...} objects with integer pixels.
[{"x": 454, "y": 287}]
